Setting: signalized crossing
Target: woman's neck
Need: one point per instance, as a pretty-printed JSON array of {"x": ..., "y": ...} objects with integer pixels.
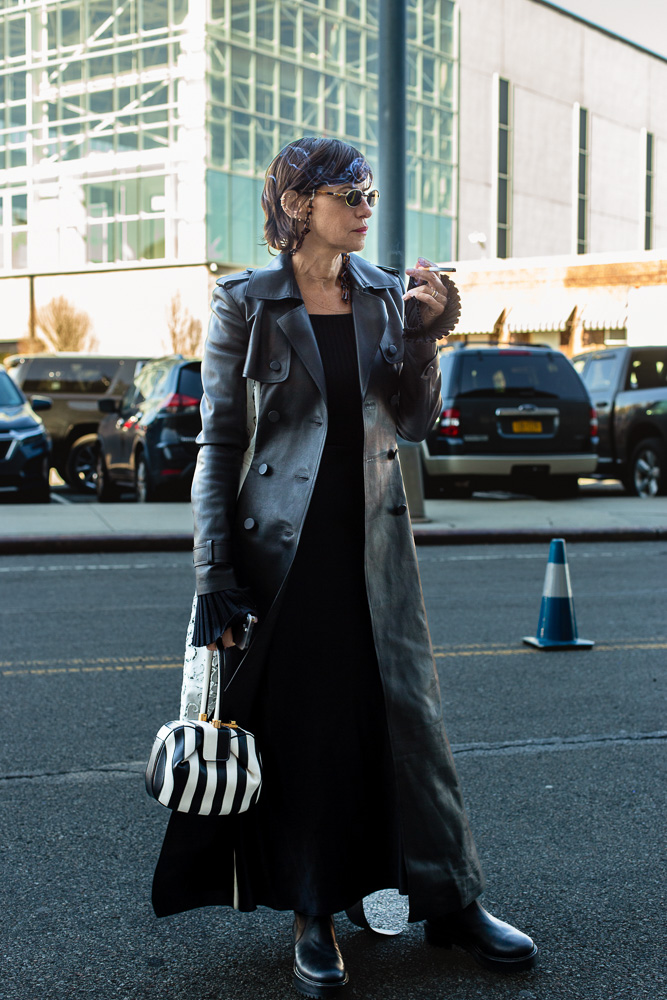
[{"x": 318, "y": 270}]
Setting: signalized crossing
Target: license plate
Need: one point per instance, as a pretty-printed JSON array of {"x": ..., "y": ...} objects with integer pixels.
[{"x": 526, "y": 426}]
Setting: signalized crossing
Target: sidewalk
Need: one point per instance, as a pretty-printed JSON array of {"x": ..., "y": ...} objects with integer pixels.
[{"x": 127, "y": 527}]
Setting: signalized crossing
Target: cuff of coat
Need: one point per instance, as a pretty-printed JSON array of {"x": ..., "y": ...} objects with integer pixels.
[{"x": 217, "y": 612}]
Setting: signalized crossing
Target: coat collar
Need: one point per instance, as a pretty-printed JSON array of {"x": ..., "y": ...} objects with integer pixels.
[{"x": 276, "y": 280}]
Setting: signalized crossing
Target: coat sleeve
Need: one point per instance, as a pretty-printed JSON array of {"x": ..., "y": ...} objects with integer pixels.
[
  {"x": 223, "y": 441},
  {"x": 419, "y": 389}
]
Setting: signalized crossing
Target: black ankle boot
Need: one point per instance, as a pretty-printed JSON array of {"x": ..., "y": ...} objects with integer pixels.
[
  {"x": 318, "y": 964},
  {"x": 493, "y": 943}
]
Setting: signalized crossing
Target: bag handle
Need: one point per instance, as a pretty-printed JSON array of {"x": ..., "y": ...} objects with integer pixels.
[{"x": 206, "y": 687}]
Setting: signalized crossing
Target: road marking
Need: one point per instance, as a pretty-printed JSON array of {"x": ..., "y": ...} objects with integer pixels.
[
  {"x": 120, "y": 664},
  {"x": 424, "y": 556},
  {"x": 493, "y": 650},
  {"x": 84, "y": 667},
  {"x": 55, "y": 498},
  {"x": 66, "y": 568}
]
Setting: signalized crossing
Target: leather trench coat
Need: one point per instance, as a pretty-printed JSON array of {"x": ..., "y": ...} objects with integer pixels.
[{"x": 264, "y": 424}]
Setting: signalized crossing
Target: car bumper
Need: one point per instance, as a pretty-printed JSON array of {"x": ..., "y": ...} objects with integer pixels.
[
  {"x": 22, "y": 467},
  {"x": 508, "y": 465}
]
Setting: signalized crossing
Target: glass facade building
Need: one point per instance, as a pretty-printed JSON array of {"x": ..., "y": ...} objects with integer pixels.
[{"x": 140, "y": 130}]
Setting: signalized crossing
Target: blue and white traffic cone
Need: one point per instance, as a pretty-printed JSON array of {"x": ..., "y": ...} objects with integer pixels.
[{"x": 557, "y": 627}]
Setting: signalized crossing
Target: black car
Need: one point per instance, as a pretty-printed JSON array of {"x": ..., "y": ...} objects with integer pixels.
[
  {"x": 628, "y": 386},
  {"x": 148, "y": 441},
  {"x": 25, "y": 446},
  {"x": 515, "y": 417},
  {"x": 74, "y": 382}
]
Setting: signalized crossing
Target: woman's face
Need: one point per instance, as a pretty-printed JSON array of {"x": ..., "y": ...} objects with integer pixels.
[{"x": 333, "y": 224}]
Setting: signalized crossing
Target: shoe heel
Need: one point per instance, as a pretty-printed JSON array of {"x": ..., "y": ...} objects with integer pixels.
[{"x": 437, "y": 936}]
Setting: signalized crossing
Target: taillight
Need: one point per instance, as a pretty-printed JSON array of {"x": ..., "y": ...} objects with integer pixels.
[
  {"x": 594, "y": 424},
  {"x": 450, "y": 422},
  {"x": 177, "y": 401}
]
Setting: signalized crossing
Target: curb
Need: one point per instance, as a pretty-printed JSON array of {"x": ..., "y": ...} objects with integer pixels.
[
  {"x": 488, "y": 536},
  {"x": 55, "y": 544}
]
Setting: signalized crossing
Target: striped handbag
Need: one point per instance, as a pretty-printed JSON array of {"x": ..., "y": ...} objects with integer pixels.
[{"x": 204, "y": 768}]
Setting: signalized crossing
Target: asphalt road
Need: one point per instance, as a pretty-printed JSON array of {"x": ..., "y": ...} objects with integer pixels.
[{"x": 561, "y": 757}]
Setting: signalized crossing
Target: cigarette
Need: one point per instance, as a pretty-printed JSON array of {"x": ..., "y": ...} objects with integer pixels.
[{"x": 438, "y": 270}]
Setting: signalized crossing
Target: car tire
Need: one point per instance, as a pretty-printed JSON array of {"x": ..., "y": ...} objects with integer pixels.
[
  {"x": 42, "y": 492},
  {"x": 105, "y": 489},
  {"x": 646, "y": 476},
  {"x": 81, "y": 466},
  {"x": 144, "y": 489}
]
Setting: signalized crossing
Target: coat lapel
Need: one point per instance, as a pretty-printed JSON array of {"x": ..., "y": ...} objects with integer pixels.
[
  {"x": 297, "y": 328},
  {"x": 370, "y": 320}
]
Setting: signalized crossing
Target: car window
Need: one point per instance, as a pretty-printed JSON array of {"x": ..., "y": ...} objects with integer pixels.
[
  {"x": 75, "y": 376},
  {"x": 189, "y": 382},
  {"x": 522, "y": 373},
  {"x": 151, "y": 381},
  {"x": 9, "y": 394},
  {"x": 648, "y": 370},
  {"x": 601, "y": 371}
]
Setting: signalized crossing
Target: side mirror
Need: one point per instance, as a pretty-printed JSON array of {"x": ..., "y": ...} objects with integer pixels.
[
  {"x": 41, "y": 403},
  {"x": 108, "y": 405}
]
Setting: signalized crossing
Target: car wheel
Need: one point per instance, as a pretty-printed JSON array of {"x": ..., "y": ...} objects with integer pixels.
[
  {"x": 105, "y": 489},
  {"x": 143, "y": 485},
  {"x": 646, "y": 473},
  {"x": 81, "y": 467}
]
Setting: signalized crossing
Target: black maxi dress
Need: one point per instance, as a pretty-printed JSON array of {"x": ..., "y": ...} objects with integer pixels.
[{"x": 325, "y": 831}]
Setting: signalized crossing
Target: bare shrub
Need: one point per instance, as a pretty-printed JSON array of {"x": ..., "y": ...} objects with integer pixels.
[
  {"x": 185, "y": 332},
  {"x": 60, "y": 326}
]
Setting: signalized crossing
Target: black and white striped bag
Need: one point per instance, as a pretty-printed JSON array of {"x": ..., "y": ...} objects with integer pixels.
[{"x": 204, "y": 768}]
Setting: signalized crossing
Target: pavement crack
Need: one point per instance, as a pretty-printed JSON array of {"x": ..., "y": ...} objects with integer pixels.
[
  {"x": 122, "y": 768},
  {"x": 555, "y": 743}
]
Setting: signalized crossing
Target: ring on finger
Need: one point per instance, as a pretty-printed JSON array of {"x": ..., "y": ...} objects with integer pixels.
[{"x": 434, "y": 292}]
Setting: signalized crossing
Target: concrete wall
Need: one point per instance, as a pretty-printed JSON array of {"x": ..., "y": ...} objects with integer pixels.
[{"x": 555, "y": 63}]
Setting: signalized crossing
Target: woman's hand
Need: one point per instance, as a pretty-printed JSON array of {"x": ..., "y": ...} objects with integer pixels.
[
  {"x": 227, "y": 641},
  {"x": 432, "y": 295},
  {"x": 439, "y": 301}
]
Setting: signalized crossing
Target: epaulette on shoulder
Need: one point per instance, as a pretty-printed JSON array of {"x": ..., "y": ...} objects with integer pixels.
[
  {"x": 389, "y": 270},
  {"x": 233, "y": 279}
]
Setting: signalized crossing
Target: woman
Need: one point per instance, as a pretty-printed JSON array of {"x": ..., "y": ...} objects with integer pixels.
[{"x": 300, "y": 515}]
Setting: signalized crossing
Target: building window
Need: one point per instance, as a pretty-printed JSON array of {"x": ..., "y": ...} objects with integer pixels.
[
  {"x": 279, "y": 70},
  {"x": 582, "y": 183},
  {"x": 648, "y": 201},
  {"x": 504, "y": 169}
]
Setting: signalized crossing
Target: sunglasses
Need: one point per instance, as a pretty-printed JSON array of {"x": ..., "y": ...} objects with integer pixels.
[{"x": 353, "y": 197}]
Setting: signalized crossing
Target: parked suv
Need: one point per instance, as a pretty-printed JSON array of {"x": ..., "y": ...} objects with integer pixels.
[
  {"x": 628, "y": 386},
  {"x": 25, "y": 447},
  {"x": 148, "y": 441},
  {"x": 74, "y": 383},
  {"x": 515, "y": 417}
]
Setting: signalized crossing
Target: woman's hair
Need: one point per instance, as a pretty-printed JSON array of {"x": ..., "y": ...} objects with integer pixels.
[{"x": 303, "y": 166}]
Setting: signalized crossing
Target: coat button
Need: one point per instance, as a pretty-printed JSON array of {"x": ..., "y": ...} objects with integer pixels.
[
  {"x": 263, "y": 469},
  {"x": 275, "y": 366},
  {"x": 392, "y": 349},
  {"x": 273, "y": 416},
  {"x": 249, "y": 523},
  {"x": 401, "y": 508}
]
